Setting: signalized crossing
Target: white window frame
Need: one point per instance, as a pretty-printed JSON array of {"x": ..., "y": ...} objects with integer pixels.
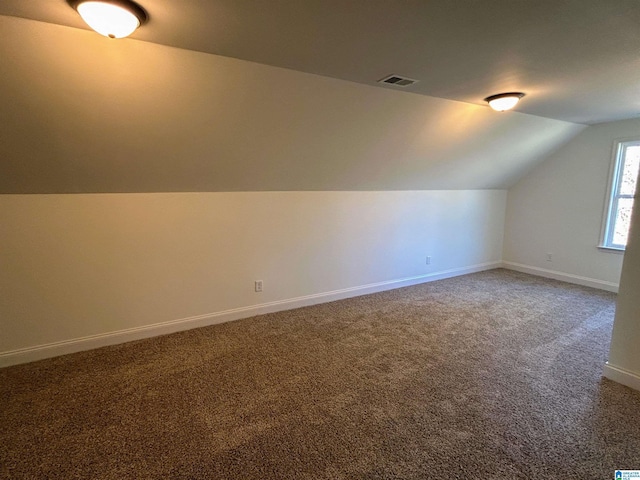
[{"x": 613, "y": 194}]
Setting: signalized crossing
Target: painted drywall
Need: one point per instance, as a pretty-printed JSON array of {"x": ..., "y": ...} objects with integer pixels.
[
  {"x": 624, "y": 355},
  {"x": 84, "y": 113},
  {"x": 75, "y": 266},
  {"x": 558, "y": 208}
]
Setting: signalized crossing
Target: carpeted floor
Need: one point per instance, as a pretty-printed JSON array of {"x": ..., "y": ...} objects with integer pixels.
[{"x": 495, "y": 375}]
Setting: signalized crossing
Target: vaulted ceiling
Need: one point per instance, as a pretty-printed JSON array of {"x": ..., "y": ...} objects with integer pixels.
[
  {"x": 577, "y": 60},
  {"x": 255, "y": 97}
]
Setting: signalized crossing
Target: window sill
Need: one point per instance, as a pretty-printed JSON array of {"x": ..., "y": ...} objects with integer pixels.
[{"x": 611, "y": 249}]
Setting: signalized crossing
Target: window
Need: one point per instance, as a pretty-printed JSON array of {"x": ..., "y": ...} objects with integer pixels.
[{"x": 624, "y": 177}]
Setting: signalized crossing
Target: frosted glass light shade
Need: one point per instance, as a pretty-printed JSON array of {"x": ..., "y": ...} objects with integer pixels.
[
  {"x": 114, "y": 19},
  {"x": 504, "y": 101}
]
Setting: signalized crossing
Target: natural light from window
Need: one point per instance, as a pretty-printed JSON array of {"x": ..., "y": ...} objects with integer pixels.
[{"x": 623, "y": 188}]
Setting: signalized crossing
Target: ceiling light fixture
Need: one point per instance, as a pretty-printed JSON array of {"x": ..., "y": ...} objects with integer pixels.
[
  {"x": 111, "y": 18},
  {"x": 504, "y": 101}
]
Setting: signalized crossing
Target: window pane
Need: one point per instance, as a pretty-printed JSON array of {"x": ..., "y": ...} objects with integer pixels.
[
  {"x": 623, "y": 219},
  {"x": 630, "y": 170}
]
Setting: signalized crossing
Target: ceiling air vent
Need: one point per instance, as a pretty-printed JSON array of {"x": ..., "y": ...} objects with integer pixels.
[{"x": 398, "y": 81}]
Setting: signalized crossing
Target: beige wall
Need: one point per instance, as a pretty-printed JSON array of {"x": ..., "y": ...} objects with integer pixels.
[
  {"x": 558, "y": 208},
  {"x": 342, "y": 188},
  {"x": 325, "y": 172},
  {"x": 74, "y": 266}
]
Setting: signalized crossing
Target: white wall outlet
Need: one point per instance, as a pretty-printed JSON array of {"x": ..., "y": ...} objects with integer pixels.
[
  {"x": 428, "y": 260},
  {"x": 549, "y": 257},
  {"x": 258, "y": 285}
]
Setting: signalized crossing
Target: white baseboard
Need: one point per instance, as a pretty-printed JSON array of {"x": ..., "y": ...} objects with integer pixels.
[
  {"x": 620, "y": 375},
  {"x": 565, "y": 277},
  {"x": 39, "y": 352}
]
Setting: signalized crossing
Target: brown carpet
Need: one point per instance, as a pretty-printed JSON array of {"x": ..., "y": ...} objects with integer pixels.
[{"x": 495, "y": 375}]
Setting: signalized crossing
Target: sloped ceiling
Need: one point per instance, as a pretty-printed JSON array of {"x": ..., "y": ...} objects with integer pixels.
[
  {"x": 82, "y": 113},
  {"x": 577, "y": 60}
]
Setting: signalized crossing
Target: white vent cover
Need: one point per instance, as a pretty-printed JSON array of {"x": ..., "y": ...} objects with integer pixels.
[{"x": 398, "y": 81}]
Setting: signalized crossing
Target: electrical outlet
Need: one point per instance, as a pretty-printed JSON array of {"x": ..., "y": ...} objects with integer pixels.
[
  {"x": 428, "y": 260},
  {"x": 258, "y": 285},
  {"x": 549, "y": 257}
]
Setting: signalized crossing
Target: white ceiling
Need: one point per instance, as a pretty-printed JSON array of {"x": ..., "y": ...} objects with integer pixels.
[{"x": 577, "y": 60}]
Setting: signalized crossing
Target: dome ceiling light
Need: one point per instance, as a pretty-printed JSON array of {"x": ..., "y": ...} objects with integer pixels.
[
  {"x": 111, "y": 18},
  {"x": 504, "y": 101}
]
